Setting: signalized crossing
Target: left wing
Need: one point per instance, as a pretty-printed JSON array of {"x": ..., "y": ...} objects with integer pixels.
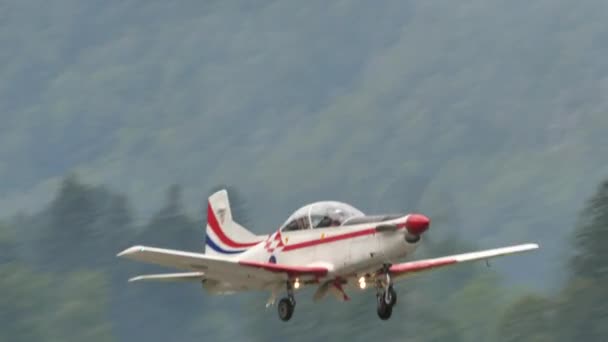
[{"x": 429, "y": 264}]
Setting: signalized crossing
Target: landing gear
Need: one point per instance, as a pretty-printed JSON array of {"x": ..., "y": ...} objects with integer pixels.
[
  {"x": 386, "y": 296},
  {"x": 384, "y": 310},
  {"x": 386, "y": 300},
  {"x": 287, "y": 304},
  {"x": 286, "y": 307},
  {"x": 392, "y": 295}
]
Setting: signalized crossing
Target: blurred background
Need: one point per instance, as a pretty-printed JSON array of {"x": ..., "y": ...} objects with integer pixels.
[{"x": 119, "y": 118}]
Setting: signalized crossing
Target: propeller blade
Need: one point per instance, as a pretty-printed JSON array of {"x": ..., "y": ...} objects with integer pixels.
[{"x": 321, "y": 291}]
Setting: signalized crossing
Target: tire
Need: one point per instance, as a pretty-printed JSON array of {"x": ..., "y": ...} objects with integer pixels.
[
  {"x": 384, "y": 310},
  {"x": 285, "y": 308}
]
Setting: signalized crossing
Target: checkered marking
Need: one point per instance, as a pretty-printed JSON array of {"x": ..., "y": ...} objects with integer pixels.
[{"x": 274, "y": 242}]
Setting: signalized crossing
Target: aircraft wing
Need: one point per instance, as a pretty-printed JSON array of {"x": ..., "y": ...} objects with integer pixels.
[
  {"x": 318, "y": 271},
  {"x": 417, "y": 266},
  {"x": 213, "y": 267}
]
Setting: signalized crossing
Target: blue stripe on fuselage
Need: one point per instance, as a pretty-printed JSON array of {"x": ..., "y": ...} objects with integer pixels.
[{"x": 219, "y": 249}]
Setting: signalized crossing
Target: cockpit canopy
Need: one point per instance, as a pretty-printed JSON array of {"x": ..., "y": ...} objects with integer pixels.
[{"x": 320, "y": 215}]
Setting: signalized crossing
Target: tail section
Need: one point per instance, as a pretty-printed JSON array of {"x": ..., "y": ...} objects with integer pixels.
[{"x": 224, "y": 236}]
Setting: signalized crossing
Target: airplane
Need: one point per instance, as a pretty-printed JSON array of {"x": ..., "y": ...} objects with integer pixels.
[{"x": 325, "y": 244}]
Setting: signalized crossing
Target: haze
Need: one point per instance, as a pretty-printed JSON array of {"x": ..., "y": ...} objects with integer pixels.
[{"x": 118, "y": 119}]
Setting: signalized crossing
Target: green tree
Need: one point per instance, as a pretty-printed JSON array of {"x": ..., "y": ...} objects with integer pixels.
[
  {"x": 473, "y": 308},
  {"x": 171, "y": 227},
  {"x": 83, "y": 226},
  {"x": 591, "y": 237},
  {"x": 44, "y": 307},
  {"x": 77, "y": 309},
  {"x": 7, "y": 244},
  {"x": 529, "y": 318},
  {"x": 582, "y": 312},
  {"x": 22, "y": 296},
  {"x": 172, "y": 306}
]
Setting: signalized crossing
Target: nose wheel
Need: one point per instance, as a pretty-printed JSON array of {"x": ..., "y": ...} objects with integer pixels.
[
  {"x": 384, "y": 310},
  {"x": 386, "y": 299}
]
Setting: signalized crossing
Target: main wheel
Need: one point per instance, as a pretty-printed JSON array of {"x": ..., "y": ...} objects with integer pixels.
[
  {"x": 285, "y": 308},
  {"x": 384, "y": 310}
]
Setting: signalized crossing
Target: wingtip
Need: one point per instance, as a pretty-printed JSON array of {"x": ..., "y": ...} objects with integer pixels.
[
  {"x": 527, "y": 246},
  {"x": 130, "y": 250},
  {"x": 134, "y": 279}
]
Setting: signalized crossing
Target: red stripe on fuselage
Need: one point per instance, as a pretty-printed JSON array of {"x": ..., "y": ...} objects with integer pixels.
[
  {"x": 334, "y": 238},
  {"x": 215, "y": 226}
]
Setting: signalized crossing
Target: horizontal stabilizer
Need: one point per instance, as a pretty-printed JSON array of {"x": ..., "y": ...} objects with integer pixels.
[{"x": 188, "y": 276}]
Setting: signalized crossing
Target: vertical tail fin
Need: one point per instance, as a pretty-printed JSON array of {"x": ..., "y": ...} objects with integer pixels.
[{"x": 224, "y": 236}]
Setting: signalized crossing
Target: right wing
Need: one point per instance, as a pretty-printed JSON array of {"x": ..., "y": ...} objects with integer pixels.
[
  {"x": 292, "y": 271},
  {"x": 253, "y": 274},
  {"x": 407, "y": 268}
]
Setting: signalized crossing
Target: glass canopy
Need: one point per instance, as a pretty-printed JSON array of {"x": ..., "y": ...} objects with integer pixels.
[{"x": 320, "y": 215}]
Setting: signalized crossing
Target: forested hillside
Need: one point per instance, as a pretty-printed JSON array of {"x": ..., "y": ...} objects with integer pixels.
[
  {"x": 60, "y": 283},
  {"x": 489, "y": 116}
]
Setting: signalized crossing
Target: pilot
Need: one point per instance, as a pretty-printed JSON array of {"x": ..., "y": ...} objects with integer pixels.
[
  {"x": 302, "y": 223},
  {"x": 334, "y": 219},
  {"x": 326, "y": 221},
  {"x": 337, "y": 218}
]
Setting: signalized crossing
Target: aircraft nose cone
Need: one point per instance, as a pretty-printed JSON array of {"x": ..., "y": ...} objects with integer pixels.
[{"x": 417, "y": 223}]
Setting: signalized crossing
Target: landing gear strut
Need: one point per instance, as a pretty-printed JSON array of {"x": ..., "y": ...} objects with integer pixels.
[
  {"x": 386, "y": 296},
  {"x": 287, "y": 304}
]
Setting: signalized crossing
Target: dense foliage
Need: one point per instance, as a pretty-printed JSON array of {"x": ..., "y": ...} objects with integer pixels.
[
  {"x": 489, "y": 116},
  {"x": 67, "y": 286}
]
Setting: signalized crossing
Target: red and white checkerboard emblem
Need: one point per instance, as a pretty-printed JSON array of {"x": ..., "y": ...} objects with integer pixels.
[{"x": 274, "y": 242}]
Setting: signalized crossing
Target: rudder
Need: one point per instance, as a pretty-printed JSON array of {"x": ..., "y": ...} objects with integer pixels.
[{"x": 224, "y": 237}]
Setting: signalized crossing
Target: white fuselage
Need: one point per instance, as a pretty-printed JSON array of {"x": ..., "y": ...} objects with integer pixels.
[{"x": 347, "y": 251}]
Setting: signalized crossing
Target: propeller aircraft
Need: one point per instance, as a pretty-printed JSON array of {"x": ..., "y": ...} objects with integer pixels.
[{"x": 327, "y": 244}]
